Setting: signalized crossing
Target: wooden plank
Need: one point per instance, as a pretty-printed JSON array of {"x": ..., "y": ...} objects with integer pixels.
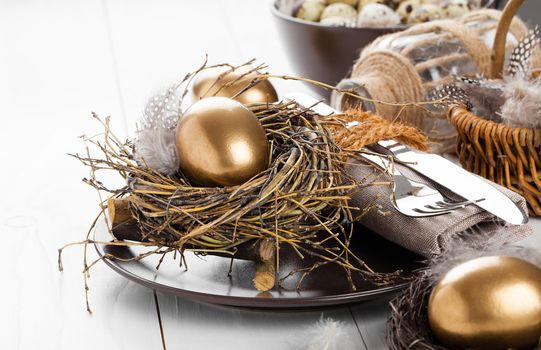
[
  {"x": 157, "y": 42},
  {"x": 190, "y": 325},
  {"x": 56, "y": 68},
  {"x": 370, "y": 318}
]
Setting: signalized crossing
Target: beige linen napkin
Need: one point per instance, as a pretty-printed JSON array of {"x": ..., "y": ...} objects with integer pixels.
[{"x": 428, "y": 236}]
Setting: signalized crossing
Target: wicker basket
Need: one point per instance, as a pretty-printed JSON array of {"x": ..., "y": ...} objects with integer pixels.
[{"x": 508, "y": 156}]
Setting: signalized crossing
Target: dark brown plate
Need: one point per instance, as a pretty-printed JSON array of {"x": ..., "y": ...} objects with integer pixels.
[{"x": 206, "y": 279}]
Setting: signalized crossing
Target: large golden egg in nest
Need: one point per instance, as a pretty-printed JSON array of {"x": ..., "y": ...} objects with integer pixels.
[
  {"x": 488, "y": 303},
  {"x": 209, "y": 83},
  {"x": 220, "y": 142}
]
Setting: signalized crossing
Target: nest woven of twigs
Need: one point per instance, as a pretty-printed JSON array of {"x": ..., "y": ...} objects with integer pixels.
[
  {"x": 301, "y": 200},
  {"x": 407, "y": 325}
]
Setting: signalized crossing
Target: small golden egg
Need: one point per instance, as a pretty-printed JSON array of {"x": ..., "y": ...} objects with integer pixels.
[
  {"x": 220, "y": 142},
  {"x": 207, "y": 84},
  {"x": 488, "y": 303}
]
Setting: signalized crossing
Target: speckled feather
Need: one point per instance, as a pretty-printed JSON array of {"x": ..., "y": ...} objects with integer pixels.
[
  {"x": 155, "y": 142},
  {"x": 519, "y": 61},
  {"x": 451, "y": 95},
  {"x": 486, "y": 97}
]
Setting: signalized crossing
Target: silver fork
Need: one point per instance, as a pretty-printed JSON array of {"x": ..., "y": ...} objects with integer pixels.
[{"x": 413, "y": 198}]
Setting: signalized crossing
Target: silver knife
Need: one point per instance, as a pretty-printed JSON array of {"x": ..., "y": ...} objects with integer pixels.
[{"x": 440, "y": 170}]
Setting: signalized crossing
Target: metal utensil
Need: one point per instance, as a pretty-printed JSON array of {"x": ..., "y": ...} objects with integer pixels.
[
  {"x": 457, "y": 180},
  {"x": 413, "y": 198},
  {"x": 442, "y": 171}
]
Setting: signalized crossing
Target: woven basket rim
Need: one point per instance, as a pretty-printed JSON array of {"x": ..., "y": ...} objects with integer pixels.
[{"x": 455, "y": 111}]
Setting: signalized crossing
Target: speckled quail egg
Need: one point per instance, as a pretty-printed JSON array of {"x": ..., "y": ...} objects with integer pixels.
[
  {"x": 426, "y": 13},
  {"x": 349, "y": 2},
  {"x": 363, "y": 3},
  {"x": 339, "y": 10},
  {"x": 339, "y": 22},
  {"x": 377, "y": 15},
  {"x": 406, "y": 8},
  {"x": 456, "y": 8},
  {"x": 311, "y": 10}
]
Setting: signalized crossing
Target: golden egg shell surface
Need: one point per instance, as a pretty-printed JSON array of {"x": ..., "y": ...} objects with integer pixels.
[
  {"x": 207, "y": 84},
  {"x": 220, "y": 142},
  {"x": 488, "y": 303}
]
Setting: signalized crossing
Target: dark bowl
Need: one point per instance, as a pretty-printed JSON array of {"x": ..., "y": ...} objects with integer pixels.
[
  {"x": 322, "y": 52},
  {"x": 326, "y": 53}
]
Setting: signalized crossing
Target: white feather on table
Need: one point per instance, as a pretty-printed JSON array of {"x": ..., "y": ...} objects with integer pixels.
[
  {"x": 326, "y": 334},
  {"x": 155, "y": 144}
]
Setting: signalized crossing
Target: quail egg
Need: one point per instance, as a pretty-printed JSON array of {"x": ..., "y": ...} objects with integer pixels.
[
  {"x": 339, "y": 10},
  {"x": 406, "y": 8},
  {"x": 426, "y": 13},
  {"x": 311, "y": 10},
  {"x": 377, "y": 15}
]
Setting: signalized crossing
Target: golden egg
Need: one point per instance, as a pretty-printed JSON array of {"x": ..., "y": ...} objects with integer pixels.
[
  {"x": 488, "y": 303},
  {"x": 206, "y": 85},
  {"x": 220, "y": 142}
]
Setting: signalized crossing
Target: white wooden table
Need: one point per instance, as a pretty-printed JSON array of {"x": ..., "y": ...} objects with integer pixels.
[{"x": 60, "y": 60}]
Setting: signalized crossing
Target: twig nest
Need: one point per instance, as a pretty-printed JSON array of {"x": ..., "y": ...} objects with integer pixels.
[
  {"x": 221, "y": 143},
  {"x": 339, "y": 10},
  {"x": 311, "y": 10},
  {"x": 377, "y": 15},
  {"x": 477, "y": 294},
  {"x": 426, "y": 13},
  {"x": 488, "y": 303}
]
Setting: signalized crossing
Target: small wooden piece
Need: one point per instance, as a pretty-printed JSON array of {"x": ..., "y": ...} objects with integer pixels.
[
  {"x": 123, "y": 225},
  {"x": 265, "y": 271}
]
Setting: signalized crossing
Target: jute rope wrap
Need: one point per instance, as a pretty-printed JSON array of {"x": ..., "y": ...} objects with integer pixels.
[
  {"x": 405, "y": 66},
  {"x": 391, "y": 78},
  {"x": 506, "y": 155}
]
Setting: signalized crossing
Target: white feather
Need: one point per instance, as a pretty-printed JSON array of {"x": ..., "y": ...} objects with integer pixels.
[
  {"x": 155, "y": 143},
  {"x": 461, "y": 252},
  {"x": 326, "y": 334},
  {"x": 522, "y": 107}
]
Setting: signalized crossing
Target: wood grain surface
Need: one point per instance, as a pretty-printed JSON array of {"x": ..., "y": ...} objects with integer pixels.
[{"x": 59, "y": 61}]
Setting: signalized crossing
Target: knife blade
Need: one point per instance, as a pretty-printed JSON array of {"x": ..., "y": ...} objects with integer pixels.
[
  {"x": 454, "y": 178},
  {"x": 440, "y": 170}
]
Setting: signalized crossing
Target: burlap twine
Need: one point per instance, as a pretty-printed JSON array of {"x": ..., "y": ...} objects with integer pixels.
[{"x": 393, "y": 77}]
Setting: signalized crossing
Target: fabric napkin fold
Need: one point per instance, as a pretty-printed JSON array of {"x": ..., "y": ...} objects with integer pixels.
[{"x": 427, "y": 236}]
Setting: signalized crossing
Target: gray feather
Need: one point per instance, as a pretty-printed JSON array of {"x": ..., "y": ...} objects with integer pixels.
[{"x": 155, "y": 144}]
